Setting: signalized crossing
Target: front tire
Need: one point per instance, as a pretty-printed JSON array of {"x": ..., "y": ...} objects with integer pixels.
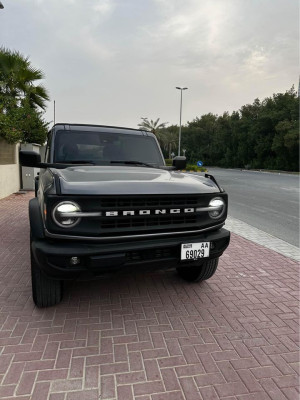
[
  {"x": 46, "y": 292},
  {"x": 198, "y": 272}
]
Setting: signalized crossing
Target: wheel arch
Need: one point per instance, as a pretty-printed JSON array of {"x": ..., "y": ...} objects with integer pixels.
[{"x": 35, "y": 219}]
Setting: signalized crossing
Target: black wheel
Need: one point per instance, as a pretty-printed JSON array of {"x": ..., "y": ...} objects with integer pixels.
[
  {"x": 199, "y": 272},
  {"x": 46, "y": 292}
]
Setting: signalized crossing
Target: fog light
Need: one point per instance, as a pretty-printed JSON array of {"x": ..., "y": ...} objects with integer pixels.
[{"x": 74, "y": 260}]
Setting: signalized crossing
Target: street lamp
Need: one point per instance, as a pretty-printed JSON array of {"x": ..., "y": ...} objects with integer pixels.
[{"x": 181, "y": 89}]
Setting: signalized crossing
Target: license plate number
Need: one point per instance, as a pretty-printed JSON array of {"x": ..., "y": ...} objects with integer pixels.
[{"x": 193, "y": 251}]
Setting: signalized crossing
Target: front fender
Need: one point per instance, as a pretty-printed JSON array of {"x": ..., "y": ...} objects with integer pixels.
[{"x": 35, "y": 219}]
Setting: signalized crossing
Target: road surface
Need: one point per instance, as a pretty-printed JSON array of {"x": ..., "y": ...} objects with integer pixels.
[{"x": 267, "y": 201}]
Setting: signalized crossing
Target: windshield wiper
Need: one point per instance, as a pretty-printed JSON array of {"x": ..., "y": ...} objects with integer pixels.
[
  {"x": 77, "y": 162},
  {"x": 132, "y": 163}
]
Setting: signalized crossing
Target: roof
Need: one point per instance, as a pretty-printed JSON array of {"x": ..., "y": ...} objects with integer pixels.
[{"x": 100, "y": 128}]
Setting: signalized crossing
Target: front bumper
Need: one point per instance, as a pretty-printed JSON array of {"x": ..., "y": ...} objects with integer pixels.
[{"x": 53, "y": 257}]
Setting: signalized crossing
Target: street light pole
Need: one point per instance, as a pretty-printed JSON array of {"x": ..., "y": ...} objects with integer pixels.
[
  {"x": 181, "y": 89},
  {"x": 54, "y": 111}
]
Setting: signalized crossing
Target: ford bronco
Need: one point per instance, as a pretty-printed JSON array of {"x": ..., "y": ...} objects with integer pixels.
[{"x": 105, "y": 200}]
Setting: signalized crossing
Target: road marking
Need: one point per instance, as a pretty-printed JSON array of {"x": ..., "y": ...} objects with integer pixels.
[{"x": 290, "y": 189}]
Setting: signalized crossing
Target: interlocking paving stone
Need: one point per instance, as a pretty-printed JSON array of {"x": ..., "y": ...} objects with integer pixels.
[{"x": 150, "y": 335}]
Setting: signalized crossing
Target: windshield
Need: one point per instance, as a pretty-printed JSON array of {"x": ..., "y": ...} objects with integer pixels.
[{"x": 102, "y": 148}]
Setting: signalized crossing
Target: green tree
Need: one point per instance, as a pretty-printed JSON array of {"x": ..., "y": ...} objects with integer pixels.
[
  {"x": 18, "y": 81},
  {"x": 198, "y": 139},
  {"x": 21, "y": 98},
  {"x": 23, "y": 124},
  {"x": 286, "y": 145},
  {"x": 168, "y": 140},
  {"x": 264, "y": 134},
  {"x": 152, "y": 126}
]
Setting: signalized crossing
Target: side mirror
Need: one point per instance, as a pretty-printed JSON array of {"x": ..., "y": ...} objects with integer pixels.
[
  {"x": 179, "y": 162},
  {"x": 29, "y": 158}
]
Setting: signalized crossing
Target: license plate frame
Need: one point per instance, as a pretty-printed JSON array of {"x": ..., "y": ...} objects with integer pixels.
[{"x": 194, "y": 251}]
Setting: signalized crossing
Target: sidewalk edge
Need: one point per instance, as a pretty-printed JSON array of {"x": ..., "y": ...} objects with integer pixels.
[{"x": 264, "y": 239}]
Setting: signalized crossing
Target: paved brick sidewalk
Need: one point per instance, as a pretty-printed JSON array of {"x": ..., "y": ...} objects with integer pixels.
[{"x": 149, "y": 336}]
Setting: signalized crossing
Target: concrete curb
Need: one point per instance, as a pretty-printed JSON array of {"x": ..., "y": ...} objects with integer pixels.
[{"x": 264, "y": 239}]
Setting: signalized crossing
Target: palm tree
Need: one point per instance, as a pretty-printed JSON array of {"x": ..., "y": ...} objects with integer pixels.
[
  {"x": 169, "y": 140},
  {"x": 152, "y": 126},
  {"x": 18, "y": 81}
]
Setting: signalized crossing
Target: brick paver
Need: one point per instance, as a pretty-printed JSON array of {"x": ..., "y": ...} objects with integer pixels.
[{"x": 149, "y": 335}]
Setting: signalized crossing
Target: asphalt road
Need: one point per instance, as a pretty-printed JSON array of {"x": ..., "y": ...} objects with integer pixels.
[{"x": 267, "y": 201}]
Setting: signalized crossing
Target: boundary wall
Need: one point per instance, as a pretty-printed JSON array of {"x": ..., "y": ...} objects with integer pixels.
[{"x": 9, "y": 168}]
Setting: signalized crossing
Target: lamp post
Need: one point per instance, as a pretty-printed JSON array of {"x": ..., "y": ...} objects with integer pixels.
[{"x": 181, "y": 89}]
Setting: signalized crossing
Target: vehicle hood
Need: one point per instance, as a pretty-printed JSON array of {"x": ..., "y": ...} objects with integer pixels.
[{"x": 131, "y": 180}]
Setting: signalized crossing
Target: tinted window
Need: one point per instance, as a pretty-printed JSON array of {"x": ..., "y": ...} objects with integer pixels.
[{"x": 101, "y": 148}]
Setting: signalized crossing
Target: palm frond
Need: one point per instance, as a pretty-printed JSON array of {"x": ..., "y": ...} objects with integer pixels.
[
  {"x": 152, "y": 125},
  {"x": 18, "y": 77}
]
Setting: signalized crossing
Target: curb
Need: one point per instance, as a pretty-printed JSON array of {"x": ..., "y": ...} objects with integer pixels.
[{"x": 262, "y": 238}]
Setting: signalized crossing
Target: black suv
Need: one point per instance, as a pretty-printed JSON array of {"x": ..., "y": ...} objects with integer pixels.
[{"x": 106, "y": 200}]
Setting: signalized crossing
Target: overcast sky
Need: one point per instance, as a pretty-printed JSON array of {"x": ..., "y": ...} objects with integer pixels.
[{"x": 115, "y": 61}]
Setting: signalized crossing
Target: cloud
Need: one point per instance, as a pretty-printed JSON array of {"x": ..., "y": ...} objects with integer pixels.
[
  {"x": 103, "y": 6},
  {"x": 113, "y": 61}
]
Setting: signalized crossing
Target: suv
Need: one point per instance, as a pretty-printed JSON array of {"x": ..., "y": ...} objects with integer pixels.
[{"x": 106, "y": 200}]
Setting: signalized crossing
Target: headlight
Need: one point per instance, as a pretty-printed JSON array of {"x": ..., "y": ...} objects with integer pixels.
[
  {"x": 64, "y": 214},
  {"x": 218, "y": 207}
]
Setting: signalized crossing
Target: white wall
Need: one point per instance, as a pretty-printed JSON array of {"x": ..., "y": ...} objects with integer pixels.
[{"x": 9, "y": 169}]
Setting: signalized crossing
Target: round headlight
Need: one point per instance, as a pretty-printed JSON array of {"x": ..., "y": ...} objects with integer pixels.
[
  {"x": 218, "y": 207},
  {"x": 64, "y": 214}
]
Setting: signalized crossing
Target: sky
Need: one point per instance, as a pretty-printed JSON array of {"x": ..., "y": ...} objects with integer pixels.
[{"x": 111, "y": 62}]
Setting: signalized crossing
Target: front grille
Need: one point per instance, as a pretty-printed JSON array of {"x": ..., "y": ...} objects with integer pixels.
[
  {"x": 149, "y": 215},
  {"x": 147, "y": 222},
  {"x": 138, "y": 222}
]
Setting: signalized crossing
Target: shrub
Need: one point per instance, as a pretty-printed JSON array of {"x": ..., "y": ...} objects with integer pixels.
[
  {"x": 195, "y": 168},
  {"x": 189, "y": 167}
]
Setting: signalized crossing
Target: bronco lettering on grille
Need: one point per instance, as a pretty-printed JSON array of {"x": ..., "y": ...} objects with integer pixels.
[{"x": 149, "y": 212}]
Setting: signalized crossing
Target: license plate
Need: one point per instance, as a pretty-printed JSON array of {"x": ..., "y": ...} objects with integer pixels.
[{"x": 193, "y": 251}]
